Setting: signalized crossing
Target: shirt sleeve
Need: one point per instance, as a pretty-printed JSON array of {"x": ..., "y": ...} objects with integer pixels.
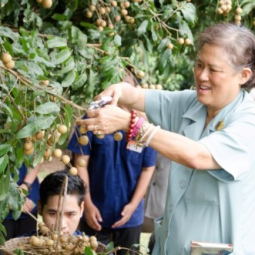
[
  {"x": 149, "y": 157},
  {"x": 233, "y": 147}
]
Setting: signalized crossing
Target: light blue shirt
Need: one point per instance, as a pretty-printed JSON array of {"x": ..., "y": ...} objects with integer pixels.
[{"x": 214, "y": 205}]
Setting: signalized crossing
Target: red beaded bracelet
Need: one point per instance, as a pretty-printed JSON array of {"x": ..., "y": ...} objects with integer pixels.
[{"x": 131, "y": 126}]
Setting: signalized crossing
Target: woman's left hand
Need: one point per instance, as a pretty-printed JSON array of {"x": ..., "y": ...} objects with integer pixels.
[{"x": 106, "y": 120}]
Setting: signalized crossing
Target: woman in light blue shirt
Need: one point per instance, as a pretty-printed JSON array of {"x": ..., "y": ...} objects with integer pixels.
[{"x": 209, "y": 134}]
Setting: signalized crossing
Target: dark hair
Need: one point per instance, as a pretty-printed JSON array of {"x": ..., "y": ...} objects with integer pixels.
[
  {"x": 52, "y": 184},
  {"x": 237, "y": 41}
]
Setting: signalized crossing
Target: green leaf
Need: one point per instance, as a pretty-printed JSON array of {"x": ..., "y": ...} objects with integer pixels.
[
  {"x": 56, "y": 42},
  {"x": 189, "y": 13},
  {"x": 69, "y": 79},
  {"x": 110, "y": 246},
  {"x": 61, "y": 56},
  {"x": 117, "y": 40},
  {"x": 80, "y": 81},
  {"x": 88, "y": 251},
  {"x": 69, "y": 65},
  {"x": 143, "y": 27},
  {"x": 35, "y": 126},
  {"x": 4, "y": 148},
  {"x": 4, "y": 160},
  {"x": 47, "y": 108}
]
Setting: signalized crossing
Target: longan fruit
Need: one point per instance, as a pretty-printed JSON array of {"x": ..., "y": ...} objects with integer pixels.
[
  {"x": 73, "y": 171},
  {"x": 89, "y": 14},
  {"x": 126, "y": 4},
  {"x": 92, "y": 7},
  {"x": 100, "y": 28},
  {"x": 83, "y": 129},
  {"x": 29, "y": 152},
  {"x": 6, "y": 57},
  {"x": 170, "y": 46},
  {"x": 47, "y": 153},
  {"x": 10, "y": 64},
  {"x": 145, "y": 86},
  {"x": 53, "y": 98},
  {"x": 45, "y": 82},
  {"x": 239, "y": 10},
  {"x": 46, "y": 3},
  {"x": 39, "y": 135},
  {"x": 159, "y": 87},
  {"x": 152, "y": 86},
  {"x": 57, "y": 153},
  {"x": 187, "y": 41},
  {"x": 49, "y": 242},
  {"x": 28, "y": 145},
  {"x": 83, "y": 140},
  {"x": 62, "y": 129},
  {"x": 124, "y": 12},
  {"x": 92, "y": 238},
  {"x": 114, "y": 3},
  {"x": 65, "y": 159},
  {"x": 140, "y": 74},
  {"x": 81, "y": 163},
  {"x": 117, "y": 18},
  {"x": 93, "y": 245},
  {"x": 181, "y": 40}
]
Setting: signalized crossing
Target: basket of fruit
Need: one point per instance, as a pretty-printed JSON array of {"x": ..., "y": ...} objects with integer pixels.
[{"x": 53, "y": 244}]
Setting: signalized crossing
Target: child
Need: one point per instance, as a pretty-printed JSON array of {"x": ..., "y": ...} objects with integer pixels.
[{"x": 50, "y": 189}]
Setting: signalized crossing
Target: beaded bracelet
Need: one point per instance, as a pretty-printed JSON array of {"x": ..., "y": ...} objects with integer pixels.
[{"x": 131, "y": 126}]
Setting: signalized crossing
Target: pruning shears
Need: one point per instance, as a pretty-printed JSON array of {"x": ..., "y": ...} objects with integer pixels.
[{"x": 99, "y": 103}]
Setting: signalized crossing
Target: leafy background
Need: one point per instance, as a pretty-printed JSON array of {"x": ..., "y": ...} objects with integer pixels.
[{"x": 79, "y": 58}]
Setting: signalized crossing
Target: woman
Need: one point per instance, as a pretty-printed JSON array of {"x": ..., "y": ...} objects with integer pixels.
[{"x": 209, "y": 135}]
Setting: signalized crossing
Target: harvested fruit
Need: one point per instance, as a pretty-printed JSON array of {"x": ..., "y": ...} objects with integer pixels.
[
  {"x": 83, "y": 140},
  {"x": 65, "y": 159},
  {"x": 73, "y": 171},
  {"x": 62, "y": 129}
]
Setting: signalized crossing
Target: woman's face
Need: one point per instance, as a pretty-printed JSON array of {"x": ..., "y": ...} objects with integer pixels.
[{"x": 217, "y": 83}]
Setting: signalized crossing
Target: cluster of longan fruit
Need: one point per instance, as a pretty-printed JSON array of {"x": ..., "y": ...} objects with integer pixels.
[
  {"x": 225, "y": 7},
  {"x": 45, "y": 3},
  {"x": 51, "y": 242},
  {"x": 102, "y": 10},
  {"x": 152, "y": 86},
  {"x": 7, "y": 60}
]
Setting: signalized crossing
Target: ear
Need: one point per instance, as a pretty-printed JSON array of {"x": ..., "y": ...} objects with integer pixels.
[
  {"x": 39, "y": 207},
  {"x": 82, "y": 208},
  {"x": 245, "y": 75}
]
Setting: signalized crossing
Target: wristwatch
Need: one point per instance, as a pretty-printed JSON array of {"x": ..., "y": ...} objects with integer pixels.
[{"x": 29, "y": 185}]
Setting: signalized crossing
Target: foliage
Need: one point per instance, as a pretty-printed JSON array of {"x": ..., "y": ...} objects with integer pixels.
[{"x": 79, "y": 52}]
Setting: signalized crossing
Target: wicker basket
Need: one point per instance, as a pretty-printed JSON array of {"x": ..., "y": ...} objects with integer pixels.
[
  {"x": 23, "y": 243},
  {"x": 13, "y": 244}
]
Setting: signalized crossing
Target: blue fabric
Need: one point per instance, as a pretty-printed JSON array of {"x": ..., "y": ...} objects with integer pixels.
[
  {"x": 113, "y": 172},
  {"x": 33, "y": 193}
]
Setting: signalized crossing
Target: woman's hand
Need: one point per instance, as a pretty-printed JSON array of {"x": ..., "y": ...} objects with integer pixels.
[
  {"x": 115, "y": 91},
  {"x": 106, "y": 120}
]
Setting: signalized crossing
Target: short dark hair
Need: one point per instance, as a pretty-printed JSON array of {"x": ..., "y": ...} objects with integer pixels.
[{"x": 52, "y": 183}]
